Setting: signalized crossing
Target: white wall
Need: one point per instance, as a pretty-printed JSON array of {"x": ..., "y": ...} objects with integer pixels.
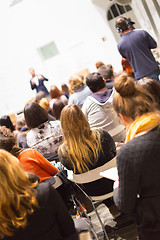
[{"x": 75, "y": 26}]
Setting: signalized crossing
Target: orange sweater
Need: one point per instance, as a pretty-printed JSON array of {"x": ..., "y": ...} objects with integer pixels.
[{"x": 32, "y": 161}]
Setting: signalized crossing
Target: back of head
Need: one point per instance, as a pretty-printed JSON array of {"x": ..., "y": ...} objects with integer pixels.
[
  {"x": 75, "y": 82},
  {"x": 65, "y": 88},
  {"x": 35, "y": 115},
  {"x": 95, "y": 82},
  {"x": 6, "y": 121},
  {"x": 122, "y": 24},
  {"x": 58, "y": 105},
  {"x": 54, "y": 92},
  {"x": 153, "y": 87},
  {"x": 106, "y": 72},
  {"x": 73, "y": 121},
  {"x": 44, "y": 103},
  {"x": 131, "y": 100},
  {"x": 18, "y": 194},
  {"x": 99, "y": 64},
  {"x": 20, "y": 121},
  {"x": 7, "y": 139}
]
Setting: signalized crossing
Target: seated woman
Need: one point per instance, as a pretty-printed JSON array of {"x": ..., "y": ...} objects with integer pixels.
[
  {"x": 45, "y": 136},
  {"x": 79, "y": 91},
  {"x": 31, "y": 160},
  {"x": 30, "y": 211},
  {"x": 22, "y": 131},
  {"x": 55, "y": 94},
  {"x": 6, "y": 121},
  {"x": 138, "y": 160},
  {"x": 85, "y": 149},
  {"x": 58, "y": 105}
]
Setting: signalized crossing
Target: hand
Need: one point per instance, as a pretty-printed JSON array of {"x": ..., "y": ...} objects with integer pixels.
[
  {"x": 116, "y": 184},
  {"x": 40, "y": 77}
]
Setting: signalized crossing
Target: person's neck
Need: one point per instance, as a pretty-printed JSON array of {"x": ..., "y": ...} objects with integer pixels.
[
  {"x": 101, "y": 90},
  {"x": 126, "y": 31}
]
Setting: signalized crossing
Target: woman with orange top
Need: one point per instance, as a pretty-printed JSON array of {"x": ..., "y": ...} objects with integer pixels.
[{"x": 31, "y": 160}]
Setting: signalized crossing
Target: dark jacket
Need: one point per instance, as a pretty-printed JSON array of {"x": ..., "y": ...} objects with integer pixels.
[
  {"x": 138, "y": 163},
  {"x": 103, "y": 185},
  {"x": 51, "y": 221}
]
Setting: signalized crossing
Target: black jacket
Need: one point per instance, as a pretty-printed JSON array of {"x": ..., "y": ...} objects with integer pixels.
[{"x": 51, "y": 221}]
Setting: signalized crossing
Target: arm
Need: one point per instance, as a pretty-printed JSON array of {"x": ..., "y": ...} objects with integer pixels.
[
  {"x": 151, "y": 42},
  {"x": 45, "y": 164},
  {"x": 63, "y": 219},
  {"x": 33, "y": 85},
  {"x": 41, "y": 77}
]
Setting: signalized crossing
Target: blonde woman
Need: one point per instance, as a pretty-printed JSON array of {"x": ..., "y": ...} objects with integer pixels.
[
  {"x": 138, "y": 160},
  {"x": 30, "y": 211},
  {"x": 85, "y": 149},
  {"x": 79, "y": 91}
]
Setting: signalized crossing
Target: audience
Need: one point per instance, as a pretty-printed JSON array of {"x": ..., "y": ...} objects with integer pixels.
[
  {"x": 79, "y": 92},
  {"x": 22, "y": 131},
  {"x": 6, "y": 121},
  {"x": 138, "y": 162},
  {"x": 65, "y": 90},
  {"x": 58, "y": 105},
  {"x": 85, "y": 149},
  {"x": 106, "y": 71},
  {"x": 153, "y": 87},
  {"x": 30, "y": 210},
  {"x": 31, "y": 160},
  {"x": 98, "y": 108},
  {"x": 45, "y": 136},
  {"x": 55, "y": 94}
]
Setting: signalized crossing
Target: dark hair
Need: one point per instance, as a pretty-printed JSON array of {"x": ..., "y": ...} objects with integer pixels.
[
  {"x": 95, "y": 82},
  {"x": 106, "y": 72},
  {"x": 34, "y": 115},
  {"x": 131, "y": 100},
  {"x": 58, "y": 105},
  {"x": 7, "y": 139},
  {"x": 153, "y": 87},
  {"x": 6, "y": 121},
  {"x": 122, "y": 24}
]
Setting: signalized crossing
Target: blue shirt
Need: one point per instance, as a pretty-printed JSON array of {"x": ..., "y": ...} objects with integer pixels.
[{"x": 136, "y": 46}]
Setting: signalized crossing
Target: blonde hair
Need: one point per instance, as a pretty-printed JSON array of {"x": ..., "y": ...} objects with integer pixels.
[
  {"x": 17, "y": 195},
  {"x": 75, "y": 83},
  {"x": 131, "y": 100},
  {"x": 44, "y": 103},
  {"x": 83, "y": 144}
]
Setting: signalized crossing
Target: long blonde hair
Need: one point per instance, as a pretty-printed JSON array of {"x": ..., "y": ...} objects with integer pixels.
[
  {"x": 83, "y": 144},
  {"x": 17, "y": 195}
]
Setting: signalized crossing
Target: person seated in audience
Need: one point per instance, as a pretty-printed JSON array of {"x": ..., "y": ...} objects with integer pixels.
[
  {"x": 45, "y": 136},
  {"x": 31, "y": 160},
  {"x": 127, "y": 67},
  {"x": 55, "y": 94},
  {"x": 138, "y": 163},
  {"x": 22, "y": 131},
  {"x": 30, "y": 210},
  {"x": 44, "y": 103},
  {"x": 6, "y": 121},
  {"x": 153, "y": 87},
  {"x": 58, "y": 105},
  {"x": 65, "y": 90},
  {"x": 79, "y": 91},
  {"x": 84, "y": 149},
  {"x": 106, "y": 71},
  {"x": 98, "y": 108},
  {"x": 99, "y": 64}
]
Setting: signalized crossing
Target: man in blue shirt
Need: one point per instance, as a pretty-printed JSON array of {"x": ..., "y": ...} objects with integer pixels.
[
  {"x": 37, "y": 82},
  {"x": 136, "y": 45}
]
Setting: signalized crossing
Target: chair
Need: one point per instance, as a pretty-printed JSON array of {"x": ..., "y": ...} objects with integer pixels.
[{"x": 92, "y": 178}]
